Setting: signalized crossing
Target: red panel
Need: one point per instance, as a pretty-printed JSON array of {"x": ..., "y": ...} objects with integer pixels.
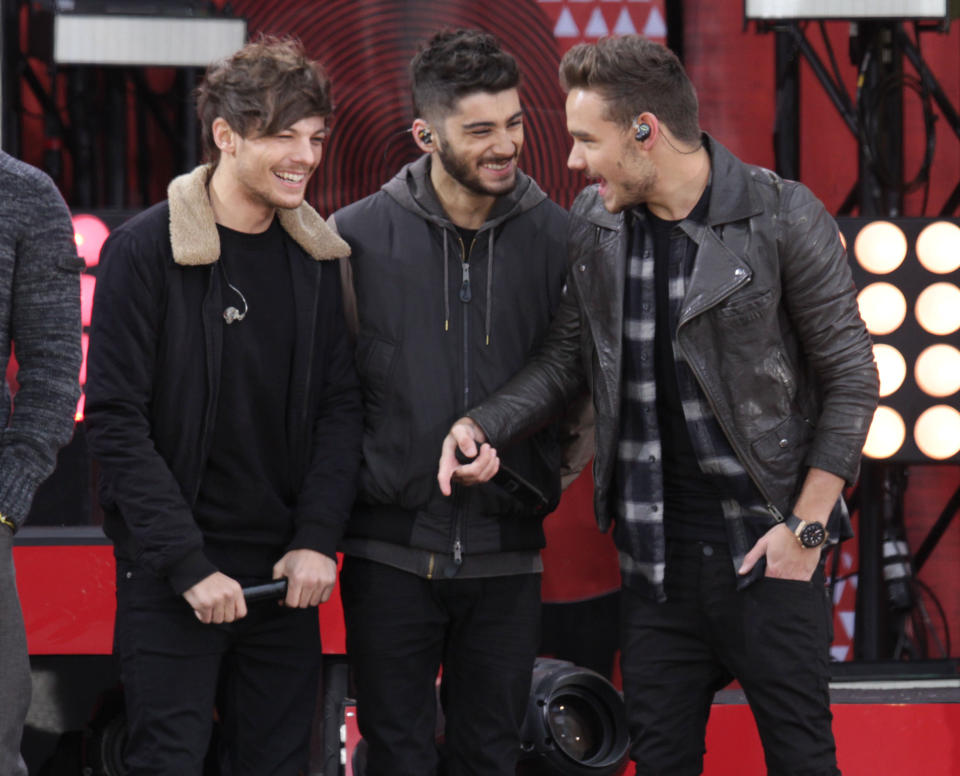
[
  {"x": 68, "y": 598},
  {"x": 871, "y": 739},
  {"x": 579, "y": 562},
  {"x": 67, "y": 594}
]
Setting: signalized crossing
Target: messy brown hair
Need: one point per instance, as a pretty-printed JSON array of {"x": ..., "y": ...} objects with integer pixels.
[
  {"x": 263, "y": 88},
  {"x": 634, "y": 75}
]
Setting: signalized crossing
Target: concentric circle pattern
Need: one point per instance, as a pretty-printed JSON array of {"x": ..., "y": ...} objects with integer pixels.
[{"x": 366, "y": 46}]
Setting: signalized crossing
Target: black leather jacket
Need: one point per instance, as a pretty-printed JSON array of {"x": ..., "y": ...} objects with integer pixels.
[{"x": 769, "y": 326}]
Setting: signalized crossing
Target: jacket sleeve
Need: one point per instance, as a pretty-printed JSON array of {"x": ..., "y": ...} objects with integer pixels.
[
  {"x": 821, "y": 299},
  {"x": 45, "y": 330},
  {"x": 330, "y": 485},
  {"x": 540, "y": 391},
  {"x": 121, "y": 363}
]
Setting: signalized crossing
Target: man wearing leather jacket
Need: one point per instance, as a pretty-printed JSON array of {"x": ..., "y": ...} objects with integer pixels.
[{"x": 712, "y": 313}]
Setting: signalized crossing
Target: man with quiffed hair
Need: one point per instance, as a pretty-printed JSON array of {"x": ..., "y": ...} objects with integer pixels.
[
  {"x": 224, "y": 411},
  {"x": 713, "y": 315},
  {"x": 457, "y": 266}
]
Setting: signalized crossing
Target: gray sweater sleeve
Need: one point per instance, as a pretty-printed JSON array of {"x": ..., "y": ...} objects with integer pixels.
[{"x": 40, "y": 303}]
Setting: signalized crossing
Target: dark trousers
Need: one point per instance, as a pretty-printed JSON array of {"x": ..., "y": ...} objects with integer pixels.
[
  {"x": 401, "y": 628},
  {"x": 260, "y": 672},
  {"x": 773, "y": 637}
]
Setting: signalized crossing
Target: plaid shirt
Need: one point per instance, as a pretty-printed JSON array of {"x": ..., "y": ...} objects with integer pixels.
[{"x": 639, "y": 532}]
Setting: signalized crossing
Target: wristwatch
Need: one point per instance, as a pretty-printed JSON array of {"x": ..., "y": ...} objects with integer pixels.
[{"x": 810, "y": 535}]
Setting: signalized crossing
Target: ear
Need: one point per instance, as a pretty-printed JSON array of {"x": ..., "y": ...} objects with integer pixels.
[
  {"x": 649, "y": 120},
  {"x": 423, "y": 136},
  {"x": 224, "y": 136}
]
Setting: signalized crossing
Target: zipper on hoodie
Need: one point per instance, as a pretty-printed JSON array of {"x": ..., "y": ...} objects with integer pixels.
[{"x": 466, "y": 294}]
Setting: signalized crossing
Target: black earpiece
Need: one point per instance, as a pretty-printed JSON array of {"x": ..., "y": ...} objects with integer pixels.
[
  {"x": 643, "y": 131},
  {"x": 425, "y": 136}
]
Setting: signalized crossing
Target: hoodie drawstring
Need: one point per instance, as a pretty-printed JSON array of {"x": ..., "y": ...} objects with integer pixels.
[
  {"x": 446, "y": 283},
  {"x": 489, "y": 299}
]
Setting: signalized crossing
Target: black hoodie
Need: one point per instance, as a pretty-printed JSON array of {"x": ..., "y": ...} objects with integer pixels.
[{"x": 437, "y": 334}]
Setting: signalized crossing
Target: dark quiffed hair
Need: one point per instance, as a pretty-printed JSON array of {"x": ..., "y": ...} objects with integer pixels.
[
  {"x": 263, "y": 88},
  {"x": 634, "y": 75},
  {"x": 454, "y": 64}
]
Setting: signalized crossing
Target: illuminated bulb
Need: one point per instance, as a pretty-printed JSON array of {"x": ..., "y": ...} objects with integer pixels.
[
  {"x": 938, "y": 247},
  {"x": 89, "y": 233},
  {"x": 938, "y": 308},
  {"x": 892, "y": 368},
  {"x": 880, "y": 247},
  {"x": 882, "y": 307},
  {"x": 937, "y": 432},
  {"x": 887, "y": 432},
  {"x": 937, "y": 370}
]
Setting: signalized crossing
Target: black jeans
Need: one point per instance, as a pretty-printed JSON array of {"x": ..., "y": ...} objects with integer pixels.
[
  {"x": 400, "y": 628},
  {"x": 260, "y": 672},
  {"x": 773, "y": 637}
]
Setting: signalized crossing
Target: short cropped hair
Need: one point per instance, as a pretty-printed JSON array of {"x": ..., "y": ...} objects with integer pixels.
[
  {"x": 634, "y": 75},
  {"x": 263, "y": 88},
  {"x": 454, "y": 64}
]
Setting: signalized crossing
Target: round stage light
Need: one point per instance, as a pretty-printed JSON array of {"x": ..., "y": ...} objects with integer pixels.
[
  {"x": 892, "y": 368},
  {"x": 937, "y": 432},
  {"x": 937, "y": 370},
  {"x": 880, "y": 247},
  {"x": 89, "y": 233},
  {"x": 938, "y": 247},
  {"x": 882, "y": 307},
  {"x": 887, "y": 433},
  {"x": 938, "y": 308}
]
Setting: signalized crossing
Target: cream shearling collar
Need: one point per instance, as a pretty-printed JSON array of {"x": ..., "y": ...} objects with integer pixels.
[{"x": 193, "y": 230}]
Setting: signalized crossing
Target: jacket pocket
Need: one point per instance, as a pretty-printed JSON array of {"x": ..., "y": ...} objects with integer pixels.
[{"x": 750, "y": 307}]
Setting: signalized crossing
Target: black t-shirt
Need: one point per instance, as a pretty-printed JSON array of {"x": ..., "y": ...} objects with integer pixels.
[
  {"x": 691, "y": 498},
  {"x": 246, "y": 495}
]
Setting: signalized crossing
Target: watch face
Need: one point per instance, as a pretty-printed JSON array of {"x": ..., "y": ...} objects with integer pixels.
[{"x": 813, "y": 535}]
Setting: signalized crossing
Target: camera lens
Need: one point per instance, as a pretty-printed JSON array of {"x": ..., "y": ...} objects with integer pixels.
[{"x": 576, "y": 726}]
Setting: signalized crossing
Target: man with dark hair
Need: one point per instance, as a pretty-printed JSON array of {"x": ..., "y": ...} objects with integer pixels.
[
  {"x": 224, "y": 411},
  {"x": 40, "y": 308},
  {"x": 458, "y": 266},
  {"x": 713, "y": 314}
]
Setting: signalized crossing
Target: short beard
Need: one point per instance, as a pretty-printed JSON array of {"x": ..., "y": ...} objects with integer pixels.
[{"x": 459, "y": 169}]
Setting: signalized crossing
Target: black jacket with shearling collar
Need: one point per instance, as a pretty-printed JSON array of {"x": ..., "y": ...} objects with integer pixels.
[{"x": 154, "y": 372}]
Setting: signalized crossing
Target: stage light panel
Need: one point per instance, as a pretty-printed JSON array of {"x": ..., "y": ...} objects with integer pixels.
[{"x": 911, "y": 307}]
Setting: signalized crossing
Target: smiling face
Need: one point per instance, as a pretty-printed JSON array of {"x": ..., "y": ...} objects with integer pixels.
[
  {"x": 272, "y": 171},
  {"x": 607, "y": 152},
  {"x": 479, "y": 144}
]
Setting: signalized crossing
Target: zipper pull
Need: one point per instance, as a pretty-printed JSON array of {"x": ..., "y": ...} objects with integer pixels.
[
  {"x": 458, "y": 552},
  {"x": 465, "y": 293}
]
